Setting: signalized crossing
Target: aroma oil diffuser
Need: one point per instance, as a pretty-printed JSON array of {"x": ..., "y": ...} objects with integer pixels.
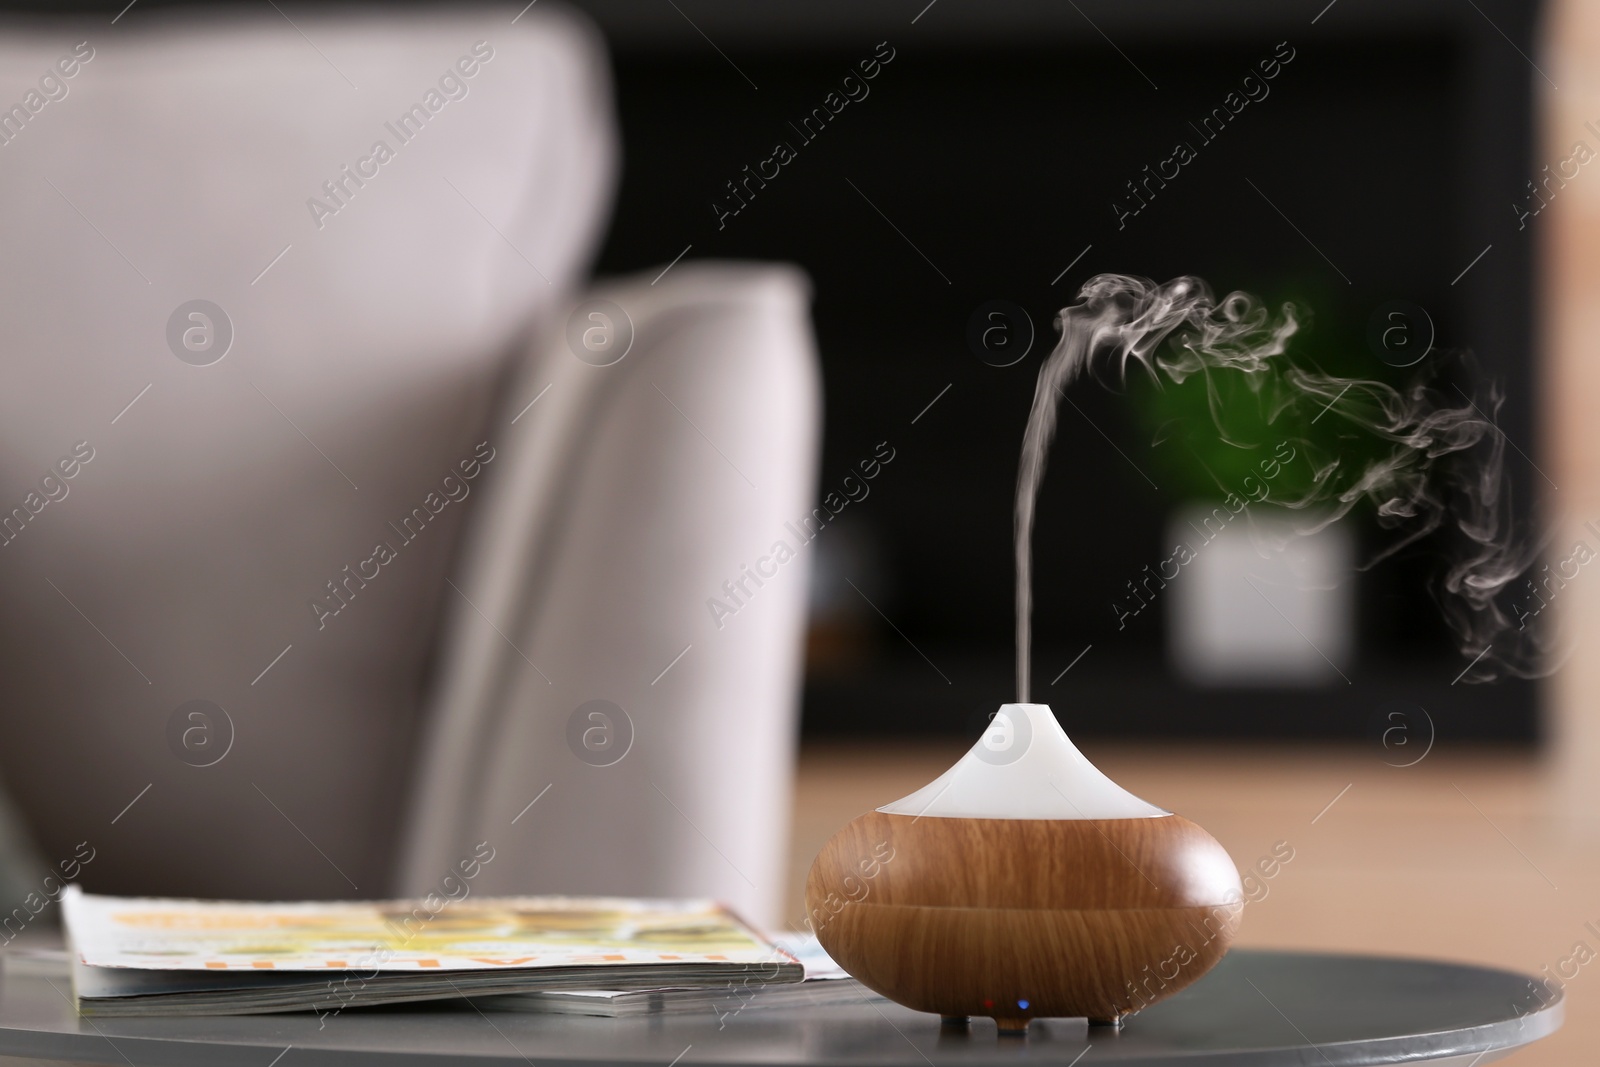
[{"x": 1024, "y": 883}]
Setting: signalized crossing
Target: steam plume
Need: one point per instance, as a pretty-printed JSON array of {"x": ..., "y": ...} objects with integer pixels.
[{"x": 1429, "y": 472}]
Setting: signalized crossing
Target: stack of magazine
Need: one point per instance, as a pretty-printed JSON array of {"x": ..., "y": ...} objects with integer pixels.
[
  {"x": 571, "y": 955},
  {"x": 825, "y": 984}
]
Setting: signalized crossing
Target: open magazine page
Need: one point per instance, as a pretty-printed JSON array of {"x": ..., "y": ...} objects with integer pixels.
[{"x": 197, "y": 935}]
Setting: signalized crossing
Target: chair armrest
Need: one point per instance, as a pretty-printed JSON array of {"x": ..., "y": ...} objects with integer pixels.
[{"x": 627, "y": 503}]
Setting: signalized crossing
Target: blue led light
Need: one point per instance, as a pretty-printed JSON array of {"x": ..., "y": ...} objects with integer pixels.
[{"x": 1023, "y": 1004}]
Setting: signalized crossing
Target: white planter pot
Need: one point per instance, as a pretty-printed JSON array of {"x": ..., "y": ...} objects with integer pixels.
[{"x": 1256, "y": 604}]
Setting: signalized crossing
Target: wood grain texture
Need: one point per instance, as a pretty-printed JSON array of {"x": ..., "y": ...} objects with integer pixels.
[{"x": 1018, "y": 918}]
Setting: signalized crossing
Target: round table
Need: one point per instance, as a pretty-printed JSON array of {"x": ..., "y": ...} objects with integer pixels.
[{"x": 1257, "y": 1009}]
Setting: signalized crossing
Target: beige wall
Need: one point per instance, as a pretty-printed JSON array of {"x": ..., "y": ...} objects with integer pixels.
[{"x": 1567, "y": 235}]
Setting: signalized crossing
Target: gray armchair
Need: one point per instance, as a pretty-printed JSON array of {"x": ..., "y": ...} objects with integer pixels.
[{"x": 353, "y": 532}]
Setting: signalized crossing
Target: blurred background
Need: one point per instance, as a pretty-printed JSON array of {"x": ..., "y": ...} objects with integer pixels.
[{"x": 951, "y": 175}]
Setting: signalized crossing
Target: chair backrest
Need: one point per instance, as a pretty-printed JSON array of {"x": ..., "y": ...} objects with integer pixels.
[{"x": 260, "y": 281}]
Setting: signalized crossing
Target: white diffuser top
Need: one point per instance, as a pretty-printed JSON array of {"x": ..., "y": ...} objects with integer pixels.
[{"x": 1024, "y": 767}]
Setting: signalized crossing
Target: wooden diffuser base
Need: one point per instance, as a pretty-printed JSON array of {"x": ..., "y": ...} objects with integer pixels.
[{"x": 1017, "y": 918}]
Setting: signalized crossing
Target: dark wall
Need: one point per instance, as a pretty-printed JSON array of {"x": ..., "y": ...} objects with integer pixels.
[{"x": 986, "y": 159}]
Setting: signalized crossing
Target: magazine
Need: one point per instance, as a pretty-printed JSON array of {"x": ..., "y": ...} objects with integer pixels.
[{"x": 146, "y": 956}]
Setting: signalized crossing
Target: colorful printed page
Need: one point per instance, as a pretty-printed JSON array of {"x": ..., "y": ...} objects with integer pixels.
[{"x": 473, "y": 934}]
